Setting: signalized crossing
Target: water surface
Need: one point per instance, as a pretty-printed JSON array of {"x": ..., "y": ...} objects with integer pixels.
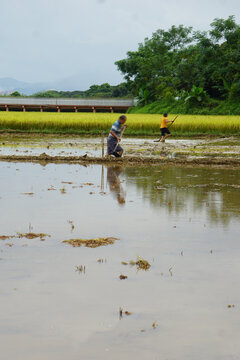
[{"x": 184, "y": 221}]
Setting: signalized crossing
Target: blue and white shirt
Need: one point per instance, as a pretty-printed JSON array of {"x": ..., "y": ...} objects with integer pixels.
[{"x": 116, "y": 128}]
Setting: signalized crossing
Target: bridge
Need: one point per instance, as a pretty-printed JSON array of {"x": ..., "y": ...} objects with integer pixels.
[{"x": 65, "y": 105}]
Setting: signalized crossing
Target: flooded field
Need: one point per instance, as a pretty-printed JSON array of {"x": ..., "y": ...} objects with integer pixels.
[
  {"x": 65, "y": 148},
  {"x": 59, "y": 145},
  {"x": 150, "y": 269}
]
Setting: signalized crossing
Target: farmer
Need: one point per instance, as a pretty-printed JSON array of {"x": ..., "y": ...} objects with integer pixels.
[
  {"x": 164, "y": 129},
  {"x": 114, "y": 137}
]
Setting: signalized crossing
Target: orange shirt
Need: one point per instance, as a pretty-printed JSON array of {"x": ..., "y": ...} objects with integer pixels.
[{"x": 163, "y": 123}]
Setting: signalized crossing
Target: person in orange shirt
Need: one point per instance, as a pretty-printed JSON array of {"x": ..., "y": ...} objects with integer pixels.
[{"x": 164, "y": 129}]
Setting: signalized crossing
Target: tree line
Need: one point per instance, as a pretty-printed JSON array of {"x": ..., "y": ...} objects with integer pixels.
[{"x": 97, "y": 91}]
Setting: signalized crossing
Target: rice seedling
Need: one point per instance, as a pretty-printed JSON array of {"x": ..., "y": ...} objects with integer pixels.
[
  {"x": 80, "y": 268},
  {"x": 98, "y": 123}
]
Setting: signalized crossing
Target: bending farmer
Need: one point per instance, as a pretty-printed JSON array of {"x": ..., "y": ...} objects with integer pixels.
[
  {"x": 164, "y": 129},
  {"x": 115, "y": 137}
]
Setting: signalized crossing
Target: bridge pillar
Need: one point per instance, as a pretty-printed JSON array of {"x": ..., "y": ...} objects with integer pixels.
[
  {"x": 6, "y": 107},
  {"x": 93, "y": 109}
]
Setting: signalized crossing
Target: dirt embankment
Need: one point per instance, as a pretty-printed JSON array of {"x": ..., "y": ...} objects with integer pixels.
[{"x": 131, "y": 160}]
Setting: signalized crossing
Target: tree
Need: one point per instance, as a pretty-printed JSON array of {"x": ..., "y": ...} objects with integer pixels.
[
  {"x": 15, "y": 93},
  {"x": 176, "y": 60}
]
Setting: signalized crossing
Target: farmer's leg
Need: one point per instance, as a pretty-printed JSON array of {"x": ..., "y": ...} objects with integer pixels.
[
  {"x": 163, "y": 132},
  {"x": 166, "y": 136},
  {"x": 111, "y": 143},
  {"x": 118, "y": 152}
]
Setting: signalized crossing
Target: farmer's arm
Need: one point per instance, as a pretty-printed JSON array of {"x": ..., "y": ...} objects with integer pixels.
[{"x": 113, "y": 134}]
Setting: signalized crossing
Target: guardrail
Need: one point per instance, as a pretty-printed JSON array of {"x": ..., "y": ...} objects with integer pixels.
[{"x": 59, "y": 104}]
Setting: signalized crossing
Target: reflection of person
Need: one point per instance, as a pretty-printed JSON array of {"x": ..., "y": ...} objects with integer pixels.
[
  {"x": 114, "y": 137},
  {"x": 164, "y": 129},
  {"x": 113, "y": 173}
]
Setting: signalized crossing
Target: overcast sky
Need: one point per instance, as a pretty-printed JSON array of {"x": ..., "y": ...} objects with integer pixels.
[{"x": 49, "y": 40}]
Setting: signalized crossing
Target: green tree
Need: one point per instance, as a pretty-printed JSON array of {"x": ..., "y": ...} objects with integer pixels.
[
  {"x": 15, "y": 93},
  {"x": 176, "y": 60}
]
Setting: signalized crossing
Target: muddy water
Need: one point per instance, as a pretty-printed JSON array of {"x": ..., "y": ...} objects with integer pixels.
[{"x": 183, "y": 221}]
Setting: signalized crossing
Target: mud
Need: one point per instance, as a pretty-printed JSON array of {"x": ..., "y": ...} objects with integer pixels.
[
  {"x": 126, "y": 160},
  {"x": 219, "y": 151}
]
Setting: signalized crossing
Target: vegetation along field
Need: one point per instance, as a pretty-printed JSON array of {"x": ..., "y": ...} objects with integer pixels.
[{"x": 138, "y": 124}]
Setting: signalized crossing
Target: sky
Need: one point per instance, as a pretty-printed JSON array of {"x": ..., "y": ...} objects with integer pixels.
[{"x": 78, "y": 41}]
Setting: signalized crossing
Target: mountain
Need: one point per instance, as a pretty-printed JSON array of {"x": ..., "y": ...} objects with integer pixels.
[
  {"x": 81, "y": 81},
  {"x": 78, "y": 82},
  {"x": 9, "y": 85}
]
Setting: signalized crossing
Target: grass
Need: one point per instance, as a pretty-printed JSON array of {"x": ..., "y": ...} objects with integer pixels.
[{"x": 97, "y": 123}]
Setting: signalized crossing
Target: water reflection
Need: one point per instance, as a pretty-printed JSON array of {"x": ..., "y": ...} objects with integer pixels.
[
  {"x": 115, "y": 186},
  {"x": 215, "y": 191}
]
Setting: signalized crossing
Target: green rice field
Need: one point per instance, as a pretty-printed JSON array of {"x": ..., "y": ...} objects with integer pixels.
[{"x": 97, "y": 123}]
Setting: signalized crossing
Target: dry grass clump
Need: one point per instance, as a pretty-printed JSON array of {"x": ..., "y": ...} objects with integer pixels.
[
  {"x": 92, "y": 243},
  {"x": 5, "y": 237},
  {"x": 31, "y": 235},
  {"x": 140, "y": 263}
]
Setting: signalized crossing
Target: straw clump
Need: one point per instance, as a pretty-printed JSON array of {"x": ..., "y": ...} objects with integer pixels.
[
  {"x": 31, "y": 235},
  {"x": 91, "y": 243},
  {"x": 141, "y": 263}
]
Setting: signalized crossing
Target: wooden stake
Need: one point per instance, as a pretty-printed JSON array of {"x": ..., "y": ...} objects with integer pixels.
[{"x": 102, "y": 144}]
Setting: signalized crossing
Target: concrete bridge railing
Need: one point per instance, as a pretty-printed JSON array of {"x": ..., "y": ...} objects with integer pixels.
[{"x": 58, "y": 104}]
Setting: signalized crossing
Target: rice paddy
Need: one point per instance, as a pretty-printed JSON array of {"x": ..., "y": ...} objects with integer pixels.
[{"x": 98, "y": 123}]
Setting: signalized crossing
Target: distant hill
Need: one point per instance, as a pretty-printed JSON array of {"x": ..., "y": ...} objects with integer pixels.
[
  {"x": 81, "y": 82},
  {"x": 8, "y": 85}
]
